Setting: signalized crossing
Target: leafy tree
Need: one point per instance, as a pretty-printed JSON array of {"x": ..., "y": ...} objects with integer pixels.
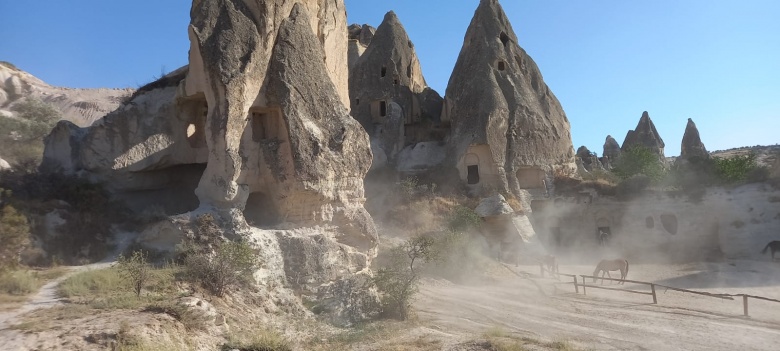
[{"x": 639, "y": 160}]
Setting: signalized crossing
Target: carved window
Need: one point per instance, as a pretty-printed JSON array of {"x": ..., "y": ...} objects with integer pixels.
[
  {"x": 409, "y": 71},
  {"x": 501, "y": 65},
  {"x": 383, "y": 73},
  {"x": 383, "y": 108},
  {"x": 504, "y": 38}
]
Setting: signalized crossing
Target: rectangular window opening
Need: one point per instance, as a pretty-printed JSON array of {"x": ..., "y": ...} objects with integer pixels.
[{"x": 473, "y": 174}]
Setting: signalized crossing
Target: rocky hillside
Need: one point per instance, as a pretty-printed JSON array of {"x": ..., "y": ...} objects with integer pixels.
[{"x": 80, "y": 106}]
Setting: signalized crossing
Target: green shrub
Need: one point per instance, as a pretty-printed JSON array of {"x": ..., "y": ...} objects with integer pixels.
[
  {"x": 463, "y": 219},
  {"x": 632, "y": 186},
  {"x": 740, "y": 169},
  {"x": 14, "y": 236},
  {"x": 231, "y": 265},
  {"x": 639, "y": 160}
]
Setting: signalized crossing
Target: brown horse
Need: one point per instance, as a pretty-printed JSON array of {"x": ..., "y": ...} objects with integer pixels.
[
  {"x": 772, "y": 246},
  {"x": 551, "y": 264},
  {"x": 605, "y": 266}
]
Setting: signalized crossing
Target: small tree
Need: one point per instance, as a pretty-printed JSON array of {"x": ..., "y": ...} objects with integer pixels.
[
  {"x": 399, "y": 281},
  {"x": 231, "y": 265},
  {"x": 14, "y": 233},
  {"x": 136, "y": 269}
]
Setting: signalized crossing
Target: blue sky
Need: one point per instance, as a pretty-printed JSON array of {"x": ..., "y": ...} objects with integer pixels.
[{"x": 717, "y": 62}]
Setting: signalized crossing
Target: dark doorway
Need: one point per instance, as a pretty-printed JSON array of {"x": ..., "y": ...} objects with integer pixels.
[
  {"x": 504, "y": 38},
  {"x": 382, "y": 108},
  {"x": 260, "y": 211},
  {"x": 473, "y": 174},
  {"x": 384, "y": 71}
]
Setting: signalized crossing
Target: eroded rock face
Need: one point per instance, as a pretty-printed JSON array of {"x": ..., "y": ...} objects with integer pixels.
[
  {"x": 388, "y": 73},
  {"x": 80, "y": 106},
  {"x": 692, "y": 147},
  {"x": 258, "y": 117},
  {"x": 611, "y": 152},
  {"x": 589, "y": 160},
  {"x": 508, "y": 129},
  {"x": 645, "y": 135}
]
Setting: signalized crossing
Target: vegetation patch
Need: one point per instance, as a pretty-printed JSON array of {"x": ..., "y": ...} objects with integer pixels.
[
  {"x": 257, "y": 340},
  {"x": 109, "y": 289}
]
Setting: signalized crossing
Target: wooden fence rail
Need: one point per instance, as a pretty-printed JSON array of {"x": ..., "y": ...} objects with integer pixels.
[{"x": 584, "y": 285}]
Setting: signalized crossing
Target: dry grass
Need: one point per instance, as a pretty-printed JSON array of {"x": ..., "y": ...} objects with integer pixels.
[
  {"x": 42, "y": 319},
  {"x": 108, "y": 289},
  {"x": 257, "y": 340},
  {"x": 500, "y": 340},
  {"x": 16, "y": 286}
]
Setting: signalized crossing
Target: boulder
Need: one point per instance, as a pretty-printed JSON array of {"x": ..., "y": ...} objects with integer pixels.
[
  {"x": 508, "y": 130},
  {"x": 493, "y": 206},
  {"x": 4, "y": 164}
]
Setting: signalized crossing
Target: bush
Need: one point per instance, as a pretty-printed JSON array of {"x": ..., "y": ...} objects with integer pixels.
[
  {"x": 639, "y": 160},
  {"x": 632, "y": 186},
  {"x": 191, "y": 318},
  {"x": 463, "y": 219},
  {"x": 399, "y": 280},
  {"x": 136, "y": 269},
  {"x": 88, "y": 219},
  {"x": 737, "y": 169},
  {"x": 14, "y": 236},
  {"x": 232, "y": 265}
]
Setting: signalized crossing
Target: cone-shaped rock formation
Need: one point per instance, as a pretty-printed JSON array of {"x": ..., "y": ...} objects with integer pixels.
[
  {"x": 508, "y": 130},
  {"x": 692, "y": 147},
  {"x": 389, "y": 72},
  {"x": 645, "y": 135}
]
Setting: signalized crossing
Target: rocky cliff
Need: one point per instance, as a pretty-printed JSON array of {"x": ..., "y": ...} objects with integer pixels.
[{"x": 508, "y": 129}]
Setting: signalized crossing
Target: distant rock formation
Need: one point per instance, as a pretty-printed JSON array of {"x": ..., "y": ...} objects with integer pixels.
[
  {"x": 80, "y": 106},
  {"x": 508, "y": 130},
  {"x": 645, "y": 135},
  {"x": 691, "y": 146},
  {"x": 359, "y": 39},
  {"x": 590, "y": 161},
  {"x": 611, "y": 152},
  {"x": 388, "y": 74}
]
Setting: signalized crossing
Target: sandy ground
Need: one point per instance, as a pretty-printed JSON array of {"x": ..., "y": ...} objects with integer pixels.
[{"x": 548, "y": 309}]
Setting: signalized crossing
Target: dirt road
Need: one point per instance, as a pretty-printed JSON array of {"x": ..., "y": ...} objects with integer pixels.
[{"x": 606, "y": 320}]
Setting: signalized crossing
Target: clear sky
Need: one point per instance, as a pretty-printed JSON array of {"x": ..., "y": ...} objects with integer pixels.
[{"x": 717, "y": 62}]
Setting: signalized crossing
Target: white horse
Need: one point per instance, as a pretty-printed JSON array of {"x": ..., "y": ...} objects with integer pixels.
[{"x": 605, "y": 266}]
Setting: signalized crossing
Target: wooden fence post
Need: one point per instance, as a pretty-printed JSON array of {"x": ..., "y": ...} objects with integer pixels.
[
  {"x": 576, "y": 288},
  {"x": 745, "y": 304},
  {"x": 652, "y": 288},
  {"x": 583, "y": 286}
]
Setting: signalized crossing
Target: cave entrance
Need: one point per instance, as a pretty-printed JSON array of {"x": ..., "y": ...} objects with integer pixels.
[{"x": 260, "y": 210}]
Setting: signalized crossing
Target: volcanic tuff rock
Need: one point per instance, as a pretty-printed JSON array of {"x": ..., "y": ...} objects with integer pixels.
[
  {"x": 645, "y": 135},
  {"x": 692, "y": 147},
  {"x": 589, "y": 160},
  {"x": 505, "y": 120},
  {"x": 389, "y": 72},
  {"x": 257, "y": 129},
  {"x": 80, "y": 106}
]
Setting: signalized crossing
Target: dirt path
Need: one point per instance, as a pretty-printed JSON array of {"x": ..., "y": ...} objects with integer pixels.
[{"x": 602, "y": 320}]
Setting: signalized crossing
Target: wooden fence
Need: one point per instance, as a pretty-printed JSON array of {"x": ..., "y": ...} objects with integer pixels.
[{"x": 653, "y": 286}]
